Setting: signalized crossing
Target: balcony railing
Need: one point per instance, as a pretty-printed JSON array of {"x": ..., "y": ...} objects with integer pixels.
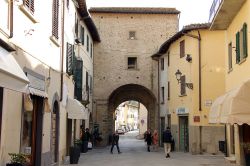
[{"x": 214, "y": 8}]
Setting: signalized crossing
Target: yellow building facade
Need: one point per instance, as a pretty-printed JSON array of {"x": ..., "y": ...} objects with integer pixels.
[
  {"x": 195, "y": 54},
  {"x": 234, "y": 110}
]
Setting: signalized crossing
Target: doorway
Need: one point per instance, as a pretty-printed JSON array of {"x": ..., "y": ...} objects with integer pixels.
[
  {"x": 55, "y": 132},
  {"x": 183, "y": 134},
  {"x": 1, "y": 110}
]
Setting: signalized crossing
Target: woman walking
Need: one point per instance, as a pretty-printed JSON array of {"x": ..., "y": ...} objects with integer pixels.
[
  {"x": 149, "y": 139},
  {"x": 155, "y": 140}
]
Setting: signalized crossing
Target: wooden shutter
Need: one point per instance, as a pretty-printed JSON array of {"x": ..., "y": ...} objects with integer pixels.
[
  {"x": 162, "y": 95},
  {"x": 245, "y": 40},
  {"x": 91, "y": 50},
  {"x": 230, "y": 56},
  {"x": 237, "y": 47},
  {"x": 69, "y": 59},
  {"x": 82, "y": 35},
  {"x": 183, "y": 85},
  {"x": 168, "y": 90},
  {"x": 78, "y": 79},
  {"x": 162, "y": 63},
  {"x": 76, "y": 26},
  {"x": 29, "y": 4},
  {"x": 182, "y": 48},
  {"x": 55, "y": 19},
  {"x": 88, "y": 43},
  {"x": 168, "y": 59}
]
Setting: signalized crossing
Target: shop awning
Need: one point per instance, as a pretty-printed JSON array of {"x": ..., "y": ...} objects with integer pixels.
[
  {"x": 11, "y": 75},
  {"x": 235, "y": 107},
  {"x": 215, "y": 111},
  {"x": 76, "y": 110},
  {"x": 38, "y": 92}
]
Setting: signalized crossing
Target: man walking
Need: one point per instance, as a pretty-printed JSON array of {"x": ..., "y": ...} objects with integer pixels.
[
  {"x": 148, "y": 139},
  {"x": 115, "y": 141},
  {"x": 167, "y": 139}
]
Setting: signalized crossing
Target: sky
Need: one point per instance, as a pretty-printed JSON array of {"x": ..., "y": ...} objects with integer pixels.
[{"x": 192, "y": 11}]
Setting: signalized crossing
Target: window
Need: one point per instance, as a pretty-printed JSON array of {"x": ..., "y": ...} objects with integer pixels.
[
  {"x": 132, "y": 63},
  {"x": 67, "y": 4},
  {"x": 168, "y": 58},
  {"x": 91, "y": 50},
  {"x": 168, "y": 90},
  {"x": 230, "y": 66},
  {"x": 241, "y": 44},
  {"x": 87, "y": 85},
  {"x": 82, "y": 35},
  {"x": 29, "y": 4},
  {"x": 90, "y": 84},
  {"x": 183, "y": 85},
  {"x": 182, "y": 48},
  {"x": 76, "y": 26},
  {"x": 131, "y": 35},
  {"x": 69, "y": 59},
  {"x": 88, "y": 43},
  {"x": 4, "y": 13},
  {"x": 162, "y": 63},
  {"x": 162, "y": 95},
  {"x": 55, "y": 18},
  {"x": 78, "y": 79},
  {"x": 1, "y": 107}
]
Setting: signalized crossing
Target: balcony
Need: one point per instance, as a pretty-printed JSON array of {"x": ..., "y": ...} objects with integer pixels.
[{"x": 222, "y": 12}]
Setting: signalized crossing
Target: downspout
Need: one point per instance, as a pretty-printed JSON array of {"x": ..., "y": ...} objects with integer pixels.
[
  {"x": 11, "y": 19},
  {"x": 62, "y": 50}
]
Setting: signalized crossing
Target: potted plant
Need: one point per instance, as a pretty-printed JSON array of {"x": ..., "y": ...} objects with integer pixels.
[
  {"x": 246, "y": 148},
  {"x": 18, "y": 159},
  {"x": 75, "y": 151}
]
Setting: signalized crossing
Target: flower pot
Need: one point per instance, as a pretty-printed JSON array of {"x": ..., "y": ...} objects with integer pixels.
[{"x": 74, "y": 154}]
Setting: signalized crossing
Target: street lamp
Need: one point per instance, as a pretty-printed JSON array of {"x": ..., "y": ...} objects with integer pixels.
[{"x": 178, "y": 75}]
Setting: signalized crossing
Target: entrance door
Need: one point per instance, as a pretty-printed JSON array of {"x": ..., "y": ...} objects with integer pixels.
[
  {"x": 55, "y": 128},
  {"x": 183, "y": 134},
  {"x": 69, "y": 134}
]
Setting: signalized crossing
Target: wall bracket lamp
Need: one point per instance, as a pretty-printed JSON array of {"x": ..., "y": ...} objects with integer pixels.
[{"x": 178, "y": 75}]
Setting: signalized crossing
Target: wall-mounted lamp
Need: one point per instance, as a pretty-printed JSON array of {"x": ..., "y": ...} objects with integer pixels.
[{"x": 178, "y": 75}]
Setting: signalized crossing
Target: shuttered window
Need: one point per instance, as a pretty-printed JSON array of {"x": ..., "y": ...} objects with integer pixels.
[
  {"x": 168, "y": 90},
  {"x": 76, "y": 26},
  {"x": 230, "y": 65},
  {"x": 182, "y": 48},
  {"x": 78, "y": 79},
  {"x": 162, "y": 63},
  {"x": 241, "y": 44},
  {"x": 70, "y": 59},
  {"x": 55, "y": 19},
  {"x": 82, "y": 35},
  {"x": 29, "y": 4},
  {"x": 162, "y": 95},
  {"x": 168, "y": 58},
  {"x": 183, "y": 85},
  {"x": 87, "y": 84},
  {"x": 88, "y": 43},
  {"x": 91, "y": 50}
]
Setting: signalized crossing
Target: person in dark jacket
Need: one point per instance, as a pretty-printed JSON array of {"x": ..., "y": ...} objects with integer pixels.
[
  {"x": 115, "y": 141},
  {"x": 167, "y": 140},
  {"x": 149, "y": 139}
]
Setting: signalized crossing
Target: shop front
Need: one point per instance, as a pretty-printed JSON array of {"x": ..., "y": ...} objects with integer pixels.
[{"x": 233, "y": 110}]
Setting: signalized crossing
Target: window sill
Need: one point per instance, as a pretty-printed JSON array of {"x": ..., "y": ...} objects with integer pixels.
[
  {"x": 183, "y": 95},
  {"x": 28, "y": 14},
  {"x": 230, "y": 70},
  {"x": 54, "y": 40},
  {"x": 242, "y": 61},
  {"x": 133, "y": 69}
]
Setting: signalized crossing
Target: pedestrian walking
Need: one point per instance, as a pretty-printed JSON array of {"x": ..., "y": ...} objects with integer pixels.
[
  {"x": 155, "y": 140},
  {"x": 149, "y": 139},
  {"x": 167, "y": 139},
  {"x": 115, "y": 142}
]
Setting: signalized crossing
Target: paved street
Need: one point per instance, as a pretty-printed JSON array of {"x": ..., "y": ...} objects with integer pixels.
[{"x": 134, "y": 153}]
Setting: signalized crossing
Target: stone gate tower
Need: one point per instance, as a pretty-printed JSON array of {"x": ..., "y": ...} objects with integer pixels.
[{"x": 123, "y": 67}]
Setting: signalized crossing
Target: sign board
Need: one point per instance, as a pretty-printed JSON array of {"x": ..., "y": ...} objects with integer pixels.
[
  {"x": 182, "y": 110},
  {"x": 197, "y": 119},
  {"x": 208, "y": 103}
]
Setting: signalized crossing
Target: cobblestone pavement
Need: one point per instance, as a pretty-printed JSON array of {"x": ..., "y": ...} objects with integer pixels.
[{"x": 134, "y": 153}]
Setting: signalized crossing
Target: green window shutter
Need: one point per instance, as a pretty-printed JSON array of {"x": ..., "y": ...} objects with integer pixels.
[
  {"x": 70, "y": 59},
  {"x": 78, "y": 79},
  {"x": 237, "y": 47},
  {"x": 245, "y": 40}
]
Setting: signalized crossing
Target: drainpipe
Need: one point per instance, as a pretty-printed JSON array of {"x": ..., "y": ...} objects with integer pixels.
[
  {"x": 199, "y": 55},
  {"x": 62, "y": 50},
  {"x": 11, "y": 19}
]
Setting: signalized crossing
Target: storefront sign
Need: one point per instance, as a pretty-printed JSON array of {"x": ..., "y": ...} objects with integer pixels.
[{"x": 182, "y": 110}]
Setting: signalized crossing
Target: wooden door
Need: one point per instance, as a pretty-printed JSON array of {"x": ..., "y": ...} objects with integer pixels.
[
  {"x": 183, "y": 134},
  {"x": 55, "y": 128}
]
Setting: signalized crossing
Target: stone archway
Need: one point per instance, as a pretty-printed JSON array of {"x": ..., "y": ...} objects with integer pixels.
[{"x": 134, "y": 92}]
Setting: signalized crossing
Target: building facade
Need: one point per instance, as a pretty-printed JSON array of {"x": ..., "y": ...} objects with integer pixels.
[
  {"x": 37, "y": 68},
  {"x": 193, "y": 80},
  {"x": 232, "y": 107},
  {"x": 123, "y": 69}
]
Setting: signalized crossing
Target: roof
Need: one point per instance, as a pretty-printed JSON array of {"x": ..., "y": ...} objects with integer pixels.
[
  {"x": 83, "y": 11},
  {"x": 136, "y": 10},
  {"x": 165, "y": 46}
]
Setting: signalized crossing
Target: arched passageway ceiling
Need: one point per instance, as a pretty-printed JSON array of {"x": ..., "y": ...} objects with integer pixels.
[{"x": 132, "y": 92}]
